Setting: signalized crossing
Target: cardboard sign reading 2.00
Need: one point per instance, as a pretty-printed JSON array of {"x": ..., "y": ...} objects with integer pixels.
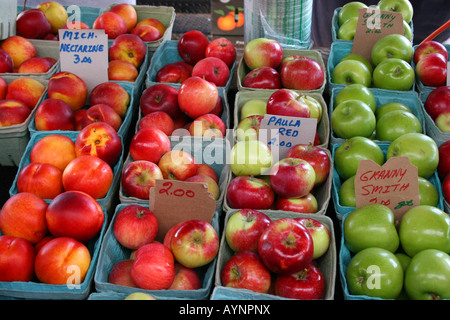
[{"x": 395, "y": 184}]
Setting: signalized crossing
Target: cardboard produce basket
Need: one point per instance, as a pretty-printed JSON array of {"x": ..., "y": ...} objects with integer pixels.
[
  {"x": 8, "y": 19},
  {"x": 327, "y": 263},
  {"x": 112, "y": 252}
]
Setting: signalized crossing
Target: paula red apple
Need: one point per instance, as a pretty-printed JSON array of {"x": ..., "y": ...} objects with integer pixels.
[
  {"x": 13, "y": 112},
  {"x": 135, "y": 226},
  {"x": 305, "y": 204},
  {"x": 185, "y": 279},
  {"x": 19, "y": 48},
  {"x": 208, "y": 125},
  {"x": 174, "y": 72},
  {"x": 197, "y": 96},
  {"x": 427, "y": 47},
  {"x": 128, "y": 47},
  {"x": 301, "y": 73},
  {"x": 284, "y": 102},
  {"x": 6, "y": 62},
  {"x": 42, "y": 179},
  {"x": 160, "y": 97},
  {"x": 26, "y": 89},
  {"x": 212, "y": 185},
  {"x": 74, "y": 214},
  {"x": 158, "y": 119},
  {"x": 56, "y": 149},
  {"x": 54, "y": 114},
  {"x": 262, "y": 78},
  {"x": 260, "y": 52},
  {"x": 120, "y": 274},
  {"x": 111, "y": 94},
  {"x": 101, "y": 113},
  {"x": 138, "y": 177},
  {"x": 203, "y": 168},
  {"x": 249, "y": 192},
  {"x": 319, "y": 233},
  {"x": 222, "y": 48},
  {"x": 149, "y": 144},
  {"x": 112, "y": 23},
  {"x": 292, "y": 177},
  {"x": 68, "y": 87},
  {"x": 212, "y": 69},
  {"x": 23, "y": 215},
  {"x": 177, "y": 165},
  {"x": 16, "y": 259},
  {"x": 432, "y": 69},
  {"x": 192, "y": 46}
]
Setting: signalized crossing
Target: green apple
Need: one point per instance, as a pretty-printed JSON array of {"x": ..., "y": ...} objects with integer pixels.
[
  {"x": 139, "y": 296},
  {"x": 392, "y": 46},
  {"x": 315, "y": 108},
  {"x": 356, "y": 91},
  {"x": 349, "y": 10},
  {"x": 355, "y": 56},
  {"x": 404, "y": 259},
  {"x": 428, "y": 194},
  {"x": 407, "y": 31},
  {"x": 424, "y": 227},
  {"x": 390, "y": 106},
  {"x": 252, "y": 107},
  {"x": 421, "y": 150},
  {"x": 350, "y": 152},
  {"x": 351, "y": 71},
  {"x": 250, "y": 157},
  {"x": 395, "y": 124},
  {"x": 394, "y": 74},
  {"x": 403, "y": 6},
  {"x": 248, "y": 128},
  {"x": 370, "y": 225},
  {"x": 347, "y": 30},
  {"x": 428, "y": 276},
  {"x": 375, "y": 272},
  {"x": 353, "y": 118},
  {"x": 346, "y": 193}
]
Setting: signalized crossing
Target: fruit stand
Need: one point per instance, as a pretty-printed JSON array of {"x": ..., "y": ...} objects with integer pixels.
[{"x": 182, "y": 157}]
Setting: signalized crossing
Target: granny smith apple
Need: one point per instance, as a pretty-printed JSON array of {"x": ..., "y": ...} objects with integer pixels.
[
  {"x": 356, "y": 91},
  {"x": 395, "y": 124},
  {"x": 390, "y": 106},
  {"x": 346, "y": 193},
  {"x": 370, "y": 225},
  {"x": 351, "y": 71},
  {"x": 428, "y": 194},
  {"x": 403, "y": 6},
  {"x": 407, "y": 31},
  {"x": 355, "y": 56},
  {"x": 353, "y": 118},
  {"x": 421, "y": 150},
  {"x": 253, "y": 107},
  {"x": 393, "y": 74},
  {"x": 347, "y": 30},
  {"x": 428, "y": 276},
  {"x": 348, "y": 155},
  {"x": 375, "y": 272},
  {"x": 424, "y": 227},
  {"x": 250, "y": 157},
  {"x": 404, "y": 259},
  {"x": 349, "y": 10},
  {"x": 392, "y": 46}
]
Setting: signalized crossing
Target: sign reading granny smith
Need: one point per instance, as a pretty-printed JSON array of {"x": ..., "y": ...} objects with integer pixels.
[{"x": 84, "y": 52}]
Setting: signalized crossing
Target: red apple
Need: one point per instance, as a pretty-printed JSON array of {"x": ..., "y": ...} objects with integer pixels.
[
  {"x": 101, "y": 113},
  {"x": 319, "y": 233},
  {"x": 244, "y": 228},
  {"x": 23, "y": 215},
  {"x": 74, "y": 214},
  {"x": 35, "y": 65},
  {"x": 203, "y": 168},
  {"x": 197, "y": 96},
  {"x": 245, "y": 270},
  {"x": 249, "y": 192},
  {"x": 212, "y": 69},
  {"x": 427, "y": 47},
  {"x": 26, "y": 89},
  {"x": 284, "y": 102},
  {"x": 222, "y": 48},
  {"x": 153, "y": 267},
  {"x": 195, "y": 243},
  {"x": 192, "y": 46},
  {"x": 6, "y": 62},
  {"x": 437, "y": 101},
  {"x": 301, "y": 73},
  {"x": 177, "y": 165},
  {"x": 13, "y": 112},
  {"x": 248, "y": 127},
  {"x": 42, "y": 179},
  {"x": 157, "y": 119},
  {"x": 68, "y": 87},
  {"x": 286, "y": 246},
  {"x": 262, "y": 78},
  {"x": 174, "y": 72},
  {"x": 128, "y": 47},
  {"x": 260, "y": 52},
  {"x": 135, "y": 226},
  {"x": 146, "y": 33},
  {"x": 292, "y": 177},
  {"x": 208, "y": 125},
  {"x": 55, "y": 13},
  {"x": 305, "y": 204},
  {"x": 56, "y": 149},
  {"x": 32, "y": 24},
  {"x": 185, "y": 279},
  {"x": 218, "y": 109},
  {"x": 169, "y": 234},
  {"x": 138, "y": 177},
  {"x": 432, "y": 69},
  {"x": 54, "y": 114},
  {"x": 307, "y": 284},
  {"x": 112, "y": 23},
  {"x": 160, "y": 97},
  {"x": 119, "y": 70},
  {"x": 89, "y": 174},
  {"x": 212, "y": 185},
  {"x": 19, "y": 48},
  {"x": 128, "y": 14},
  {"x": 120, "y": 274},
  {"x": 444, "y": 159},
  {"x": 59, "y": 259},
  {"x": 316, "y": 157},
  {"x": 446, "y": 188},
  {"x": 149, "y": 144},
  {"x": 16, "y": 259},
  {"x": 111, "y": 94}
]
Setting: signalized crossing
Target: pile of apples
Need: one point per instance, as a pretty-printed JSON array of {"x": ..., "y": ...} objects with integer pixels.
[
  {"x": 269, "y": 69},
  {"x": 174, "y": 263},
  {"x": 430, "y": 58},
  {"x": 18, "y": 99},
  {"x": 275, "y": 256},
  {"x": 19, "y": 55},
  {"x": 409, "y": 258}
]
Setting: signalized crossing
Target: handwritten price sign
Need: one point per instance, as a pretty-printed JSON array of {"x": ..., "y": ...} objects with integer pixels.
[{"x": 395, "y": 184}]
